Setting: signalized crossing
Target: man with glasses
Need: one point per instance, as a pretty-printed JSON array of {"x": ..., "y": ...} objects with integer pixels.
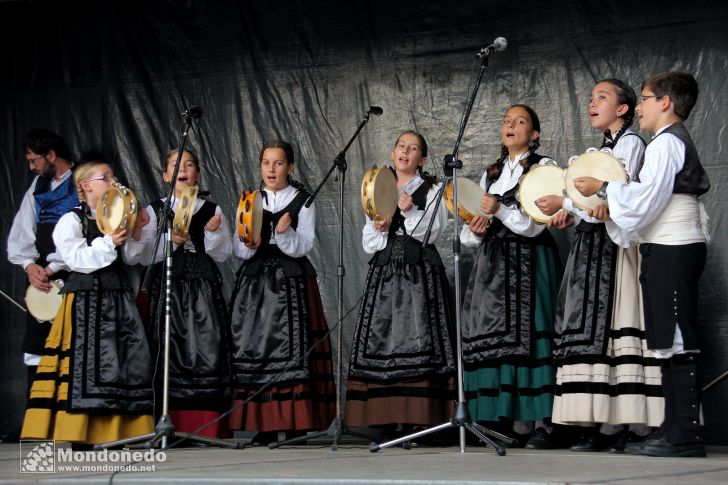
[{"x": 30, "y": 245}]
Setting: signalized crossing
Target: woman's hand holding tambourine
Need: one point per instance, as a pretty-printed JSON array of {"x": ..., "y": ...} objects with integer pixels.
[
  {"x": 550, "y": 204},
  {"x": 587, "y": 186},
  {"x": 253, "y": 244},
  {"x": 561, "y": 220},
  {"x": 478, "y": 225},
  {"x": 119, "y": 238},
  {"x": 383, "y": 225}
]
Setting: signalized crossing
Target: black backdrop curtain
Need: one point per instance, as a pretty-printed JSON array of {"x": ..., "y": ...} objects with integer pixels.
[{"x": 115, "y": 76}]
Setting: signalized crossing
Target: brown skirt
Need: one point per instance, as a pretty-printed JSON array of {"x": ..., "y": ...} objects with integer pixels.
[
  {"x": 425, "y": 402},
  {"x": 307, "y": 405}
]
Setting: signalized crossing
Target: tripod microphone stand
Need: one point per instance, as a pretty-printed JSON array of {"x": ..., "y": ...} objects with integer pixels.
[
  {"x": 461, "y": 417},
  {"x": 164, "y": 430},
  {"x": 337, "y": 426}
]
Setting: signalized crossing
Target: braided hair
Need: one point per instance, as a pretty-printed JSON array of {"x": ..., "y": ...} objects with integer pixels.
[
  {"x": 290, "y": 158},
  {"x": 625, "y": 95},
  {"x": 494, "y": 170}
]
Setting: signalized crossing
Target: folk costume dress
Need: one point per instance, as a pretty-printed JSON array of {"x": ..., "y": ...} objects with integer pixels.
[
  {"x": 276, "y": 317},
  {"x": 93, "y": 382},
  {"x": 199, "y": 372},
  {"x": 508, "y": 310},
  {"x": 605, "y": 373},
  {"x": 402, "y": 362}
]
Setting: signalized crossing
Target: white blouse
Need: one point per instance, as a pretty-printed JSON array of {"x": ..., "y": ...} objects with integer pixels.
[
  {"x": 217, "y": 243},
  {"x": 293, "y": 242},
  {"x": 510, "y": 216},
  {"x": 416, "y": 221},
  {"x": 78, "y": 256}
]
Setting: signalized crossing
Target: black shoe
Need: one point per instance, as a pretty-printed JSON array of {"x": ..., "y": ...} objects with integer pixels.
[
  {"x": 625, "y": 438},
  {"x": 540, "y": 440},
  {"x": 661, "y": 447},
  {"x": 595, "y": 442}
]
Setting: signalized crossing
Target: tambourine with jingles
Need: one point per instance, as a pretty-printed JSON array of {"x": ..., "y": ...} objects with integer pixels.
[
  {"x": 185, "y": 210},
  {"x": 379, "y": 192},
  {"x": 538, "y": 182},
  {"x": 117, "y": 210},
  {"x": 249, "y": 216},
  {"x": 469, "y": 196},
  {"x": 44, "y": 306},
  {"x": 599, "y": 164}
]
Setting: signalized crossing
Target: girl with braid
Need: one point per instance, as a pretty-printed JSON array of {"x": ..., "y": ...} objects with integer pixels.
[
  {"x": 402, "y": 364},
  {"x": 606, "y": 379},
  {"x": 509, "y": 305},
  {"x": 277, "y": 315}
]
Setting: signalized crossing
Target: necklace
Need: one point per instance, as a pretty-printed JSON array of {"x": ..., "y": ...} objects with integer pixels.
[{"x": 510, "y": 168}]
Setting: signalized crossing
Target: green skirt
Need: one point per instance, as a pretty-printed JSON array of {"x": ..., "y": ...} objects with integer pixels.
[{"x": 522, "y": 392}]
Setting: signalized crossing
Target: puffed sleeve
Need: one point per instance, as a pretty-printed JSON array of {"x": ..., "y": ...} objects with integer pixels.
[{"x": 73, "y": 249}]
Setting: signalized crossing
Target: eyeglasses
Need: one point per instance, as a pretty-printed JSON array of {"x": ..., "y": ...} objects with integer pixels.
[
  {"x": 107, "y": 177},
  {"x": 33, "y": 160},
  {"x": 645, "y": 98}
]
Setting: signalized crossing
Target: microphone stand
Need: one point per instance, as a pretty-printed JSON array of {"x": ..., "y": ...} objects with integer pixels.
[
  {"x": 337, "y": 426},
  {"x": 164, "y": 430},
  {"x": 461, "y": 417}
]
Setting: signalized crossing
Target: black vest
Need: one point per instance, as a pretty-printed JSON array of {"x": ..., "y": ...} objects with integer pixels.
[
  {"x": 269, "y": 255},
  {"x": 692, "y": 179}
]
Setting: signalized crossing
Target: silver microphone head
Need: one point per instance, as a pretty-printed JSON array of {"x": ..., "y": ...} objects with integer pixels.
[{"x": 500, "y": 44}]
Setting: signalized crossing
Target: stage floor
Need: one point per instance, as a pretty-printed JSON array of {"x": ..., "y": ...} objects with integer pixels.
[{"x": 352, "y": 463}]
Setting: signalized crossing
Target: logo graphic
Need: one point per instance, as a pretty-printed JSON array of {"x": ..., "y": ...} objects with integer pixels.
[{"x": 37, "y": 456}]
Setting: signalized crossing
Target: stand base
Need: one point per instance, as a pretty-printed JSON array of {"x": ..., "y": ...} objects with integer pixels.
[
  {"x": 336, "y": 429},
  {"x": 164, "y": 431},
  {"x": 460, "y": 419}
]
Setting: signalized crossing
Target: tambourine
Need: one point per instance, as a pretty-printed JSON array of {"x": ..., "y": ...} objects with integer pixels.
[
  {"x": 539, "y": 182},
  {"x": 469, "y": 196},
  {"x": 599, "y": 164},
  {"x": 44, "y": 306},
  {"x": 249, "y": 216},
  {"x": 379, "y": 192},
  {"x": 185, "y": 210},
  {"x": 117, "y": 210}
]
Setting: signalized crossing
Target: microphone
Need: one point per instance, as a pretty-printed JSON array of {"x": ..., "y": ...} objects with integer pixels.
[
  {"x": 499, "y": 44},
  {"x": 375, "y": 110},
  {"x": 193, "y": 111}
]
